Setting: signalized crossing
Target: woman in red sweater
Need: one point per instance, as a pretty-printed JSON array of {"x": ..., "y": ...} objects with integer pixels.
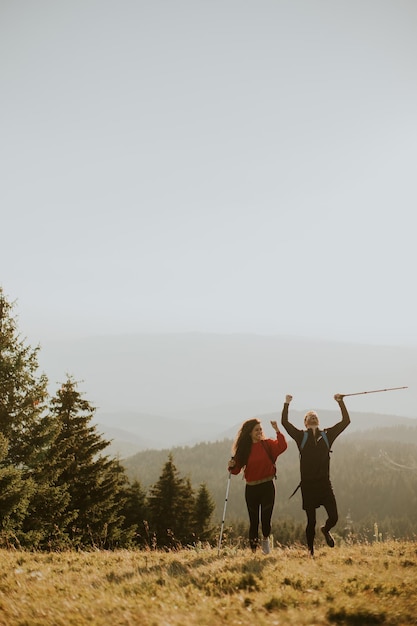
[{"x": 256, "y": 455}]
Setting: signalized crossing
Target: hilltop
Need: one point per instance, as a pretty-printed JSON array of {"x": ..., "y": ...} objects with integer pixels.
[{"x": 351, "y": 584}]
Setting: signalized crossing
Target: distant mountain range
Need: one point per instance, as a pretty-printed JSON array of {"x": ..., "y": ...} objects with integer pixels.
[
  {"x": 151, "y": 390},
  {"x": 137, "y": 432}
]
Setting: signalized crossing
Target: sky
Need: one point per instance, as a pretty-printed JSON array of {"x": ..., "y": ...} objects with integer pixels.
[{"x": 206, "y": 166}]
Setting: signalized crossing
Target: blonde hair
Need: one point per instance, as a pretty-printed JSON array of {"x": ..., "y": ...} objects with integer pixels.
[{"x": 310, "y": 414}]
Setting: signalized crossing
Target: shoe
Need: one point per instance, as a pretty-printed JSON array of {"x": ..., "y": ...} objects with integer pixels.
[
  {"x": 266, "y": 548},
  {"x": 329, "y": 539},
  {"x": 311, "y": 551}
]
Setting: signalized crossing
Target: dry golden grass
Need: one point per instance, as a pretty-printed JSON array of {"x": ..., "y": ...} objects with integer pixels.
[{"x": 361, "y": 584}]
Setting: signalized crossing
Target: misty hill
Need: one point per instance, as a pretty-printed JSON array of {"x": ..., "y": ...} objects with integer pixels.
[
  {"x": 132, "y": 432},
  {"x": 225, "y": 379},
  {"x": 359, "y": 421},
  {"x": 145, "y": 465}
]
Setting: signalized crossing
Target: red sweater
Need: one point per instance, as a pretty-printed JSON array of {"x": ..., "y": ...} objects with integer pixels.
[{"x": 259, "y": 465}]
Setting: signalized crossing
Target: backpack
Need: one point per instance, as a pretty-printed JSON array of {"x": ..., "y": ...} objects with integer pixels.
[
  {"x": 305, "y": 437},
  {"x": 303, "y": 443}
]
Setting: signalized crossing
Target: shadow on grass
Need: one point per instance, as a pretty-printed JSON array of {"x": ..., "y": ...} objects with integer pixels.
[{"x": 358, "y": 618}]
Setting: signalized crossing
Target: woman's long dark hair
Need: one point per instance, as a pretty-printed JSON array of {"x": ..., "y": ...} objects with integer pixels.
[{"x": 243, "y": 442}]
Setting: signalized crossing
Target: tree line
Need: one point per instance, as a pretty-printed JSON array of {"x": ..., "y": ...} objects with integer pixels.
[
  {"x": 58, "y": 489},
  {"x": 374, "y": 477}
]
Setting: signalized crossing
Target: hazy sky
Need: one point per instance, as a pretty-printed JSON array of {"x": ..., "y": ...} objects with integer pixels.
[{"x": 232, "y": 166}]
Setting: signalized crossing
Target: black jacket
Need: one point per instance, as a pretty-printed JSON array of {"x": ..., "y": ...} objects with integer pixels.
[{"x": 315, "y": 455}]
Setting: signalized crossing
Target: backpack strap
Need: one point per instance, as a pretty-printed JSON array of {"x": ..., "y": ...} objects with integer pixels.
[
  {"x": 295, "y": 491},
  {"x": 267, "y": 450},
  {"x": 326, "y": 439},
  {"x": 304, "y": 440},
  {"x": 305, "y": 437}
]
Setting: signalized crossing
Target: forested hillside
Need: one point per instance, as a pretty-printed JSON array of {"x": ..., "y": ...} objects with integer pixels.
[
  {"x": 374, "y": 477},
  {"x": 132, "y": 432}
]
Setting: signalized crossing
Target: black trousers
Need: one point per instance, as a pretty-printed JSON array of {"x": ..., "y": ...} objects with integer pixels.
[
  {"x": 260, "y": 500},
  {"x": 313, "y": 498}
]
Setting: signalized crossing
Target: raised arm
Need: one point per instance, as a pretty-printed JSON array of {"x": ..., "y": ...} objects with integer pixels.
[
  {"x": 293, "y": 432},
  {"x": 345, "y": 415},
  {"x": 338, "y": 428}
]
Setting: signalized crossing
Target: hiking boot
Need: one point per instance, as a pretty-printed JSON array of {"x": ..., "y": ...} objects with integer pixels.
[
  {"x": 266, "y": 548},
  {"x": 329, "y": 539}
]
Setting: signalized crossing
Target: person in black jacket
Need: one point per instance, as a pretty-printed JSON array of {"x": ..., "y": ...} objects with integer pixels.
[{"x": 316, "y": 488}]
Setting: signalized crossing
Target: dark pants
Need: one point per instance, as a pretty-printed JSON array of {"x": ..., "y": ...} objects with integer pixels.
[
  {"x": 260, "y": 499},
  {"x": 326, "y": 499}
]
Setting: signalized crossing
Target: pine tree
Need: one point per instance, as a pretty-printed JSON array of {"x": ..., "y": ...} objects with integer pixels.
[
  {"x": 95, "y": 483},
  {"x": 25, "y": 426},
  {"x": 203, "y": 509},
  {"x": 170, "y": 504},
  {"x": 23, "y": 393},
  {"x": 15, "y": 495},
  {"x": 185, "y": 531},
  {"x": 135, "y": 513}
]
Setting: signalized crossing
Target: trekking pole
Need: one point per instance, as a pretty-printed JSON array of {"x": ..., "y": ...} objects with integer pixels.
[
  {"x": 224, "y": 513},
  {"x": 360, "y": 393}
]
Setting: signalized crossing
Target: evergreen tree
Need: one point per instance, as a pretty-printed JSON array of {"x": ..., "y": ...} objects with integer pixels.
[
  {"x": 95, "y": 483},
  {"x": 135, "y": 513},
  {"x": 185, "y": 531},
  {"x": 25, "y": 425},
  {"x": 170, "y": 504},
  {"x": 203, "y": 510},
  {"x": 15, "y": 495},
  {"x": 23, "y": 393}
]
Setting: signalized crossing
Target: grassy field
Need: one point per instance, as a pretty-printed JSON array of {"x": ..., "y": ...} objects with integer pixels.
[{"x": 360, "y": 584}]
